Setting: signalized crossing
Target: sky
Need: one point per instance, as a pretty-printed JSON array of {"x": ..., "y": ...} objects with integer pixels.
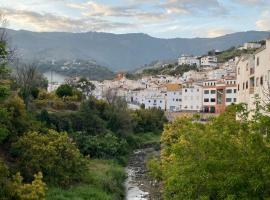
[{"x": 158, "y": 18}]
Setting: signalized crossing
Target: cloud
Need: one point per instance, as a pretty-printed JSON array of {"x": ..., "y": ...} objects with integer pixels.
[
  {"x": 194, "y": 7},
  {"x": 263, "y": 23},
  {"x": 94, "y": 9},
  {"x": 217, "y": 32},
  {"x": 254, "y": 2},
  {"x": 51, "y": 22}
]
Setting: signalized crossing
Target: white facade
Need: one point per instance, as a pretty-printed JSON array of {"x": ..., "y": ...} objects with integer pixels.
[
  {"x": 192, "y": 98},
  {"x": 188, "y": 60},
  {"x": 253, "y": 77},
  {"x": 208, "y": 61},
  {"x": 155, "y": 101},
  {"x": 174, "y": 100}
]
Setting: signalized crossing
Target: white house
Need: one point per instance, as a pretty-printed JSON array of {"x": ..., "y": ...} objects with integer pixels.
[
  {"x": 173, "y": 97},
  {"x": 251, "y": 45},
  {"x": 155, "y": 101},
  {"x": 208, "y": 61},
  {"x": 188, "y": 60},
  {"x": 192, "y": 95}
]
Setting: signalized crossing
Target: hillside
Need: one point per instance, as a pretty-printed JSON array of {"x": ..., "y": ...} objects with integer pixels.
[{"x": 118, "y": 51}]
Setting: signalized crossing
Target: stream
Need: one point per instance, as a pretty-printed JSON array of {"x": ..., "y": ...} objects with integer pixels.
[{"x": 139, "y": 186}]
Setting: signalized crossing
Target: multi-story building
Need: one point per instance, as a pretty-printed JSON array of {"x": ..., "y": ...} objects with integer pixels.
[
  {"x": 253, "y": 77},
  {"x": 208, "y": 61},
  {"x": 188, "y": 60},
  {"x": 173, "y": 97},
  {"x": 218, "y": 94},
  {"x": 155, "y": 101},
  {"x": 192, "y": 97}
]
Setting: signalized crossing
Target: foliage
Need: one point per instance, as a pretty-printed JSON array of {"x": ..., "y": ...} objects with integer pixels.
[
  {"x": 103, "y": 181},
  {"x": 4, "y": 173},
  {"x": 222, "y": 159},
  {"x": 64, "y": 91},
  {"x": 33, "y": 191},
  {"x": 53, "y": 154},
  {"x": 149, "y": 120}
]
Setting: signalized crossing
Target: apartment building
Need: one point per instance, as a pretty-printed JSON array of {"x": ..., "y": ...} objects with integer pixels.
[
  {"x": 208, "y": 61},
  {"x": 192, "y": 97},
  {"x": 188, "y": 60},
  {"x": 218, "y": 94},
  {"x": 253, "y": 76}
]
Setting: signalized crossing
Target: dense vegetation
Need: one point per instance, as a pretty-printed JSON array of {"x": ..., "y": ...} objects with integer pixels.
[
  {"x": 78, "y": 67},
  {"x": 222, "y": 159},
  {"x": 171, "y": 69},
  {"x": 61, "y": 145},
  {"x": 233, "y": 52}
]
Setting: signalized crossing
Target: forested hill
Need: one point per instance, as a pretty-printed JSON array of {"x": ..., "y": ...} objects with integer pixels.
[{"x": 118, "y": 51}]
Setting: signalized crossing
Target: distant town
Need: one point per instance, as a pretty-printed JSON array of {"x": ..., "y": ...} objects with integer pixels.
[{"x": 210, "y": 88}]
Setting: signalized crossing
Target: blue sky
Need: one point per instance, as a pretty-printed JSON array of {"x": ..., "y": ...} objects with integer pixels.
[{"x": 158, "y": 18}]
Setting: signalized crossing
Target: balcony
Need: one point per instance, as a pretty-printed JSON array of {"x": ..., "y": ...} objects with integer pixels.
[{"x": 251, "y": 90}]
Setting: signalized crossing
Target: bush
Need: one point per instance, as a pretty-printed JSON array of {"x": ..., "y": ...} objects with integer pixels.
[
  {"x": 53, "y": 154},
  {"x": 26, "y": 191},
  {"x": 4, "y": 173},
  {"x": 64, "y": 91}
]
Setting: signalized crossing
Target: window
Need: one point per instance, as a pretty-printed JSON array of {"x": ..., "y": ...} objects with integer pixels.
[
  {"x": 258, "y": 61},
  {"x": 160, "y": 101},
  {"x": 206, "y": 100},
  {"x": 238, "y": 87},
  {"x": 173, "y": 99},
  {"x": 234, "y": 99},
  {"x": 213, "y": 91},
  {"x": 149, "y": 101},
  {"x": 238, "y": 71},
  {"x": 261, "y": 80},
  {"x": 229, "y": 91},
  {"x": 176, "y": 99},
  {"x": 213, "y": 100},
  {"x": 206, "y": 91},
  {"x": 174, "y": 93},
  {"x": 243, "y": 86},
  {"x": 234, "y": 91},
  {"x": 247, "y": 85},
  {"x": 228, "y": 100},
  {"x": 257, "y": 81},
  {"x": 185, "y": 90}
]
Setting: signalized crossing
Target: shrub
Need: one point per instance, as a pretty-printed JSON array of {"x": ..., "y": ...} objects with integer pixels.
[
  {"x": 54, "y": 154},
  {"x": 26, "y": 191},
  {"x": 64, "y": 91}
]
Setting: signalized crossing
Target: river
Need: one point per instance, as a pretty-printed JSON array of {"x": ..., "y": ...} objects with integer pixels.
[{"x": 139, "y": 186}]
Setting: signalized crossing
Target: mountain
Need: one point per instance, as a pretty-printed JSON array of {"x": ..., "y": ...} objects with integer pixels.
[{"x": 118, "y": 51}]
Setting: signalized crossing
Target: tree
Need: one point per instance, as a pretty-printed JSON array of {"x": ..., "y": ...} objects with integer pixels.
[
  {"x": 29, "y": 80},
  {"x": 54, "y": 154},
  {"x": 222, "y": 159},
  {"x": 64, "y": 91},
  {"x": 85, "y": 86}
]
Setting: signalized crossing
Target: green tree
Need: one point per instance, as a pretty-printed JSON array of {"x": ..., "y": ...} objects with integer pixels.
[
  {"x": 64, "y": 91},
  {"x": 223, "y": 159},
  {"x": 54, "y": 154}
]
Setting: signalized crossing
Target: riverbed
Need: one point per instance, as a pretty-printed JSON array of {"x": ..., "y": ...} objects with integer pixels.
[{"x": 139, "y": 186}]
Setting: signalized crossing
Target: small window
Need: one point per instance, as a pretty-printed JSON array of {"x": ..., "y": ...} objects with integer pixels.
[
  {"x": 160, "y": 101},
  {"x": 213, "y": 100},
  {"x": 206, "y": 91},
  {"x": 234, "y": 100},
  {"x": 213, "y": 91},
  {"x": 206, "y": 100},
  {"x": 228, "y": 100},
  {"x": 258, "y": 61},
  {"x": 234, "y": 91},
  {"x": 229, "y": 91},
  {"x": 247, "y": 85},
  {"x": 185, "y": 90},
  {"x": 238, "y": 87},
  {"x": 261, "y": 80}
]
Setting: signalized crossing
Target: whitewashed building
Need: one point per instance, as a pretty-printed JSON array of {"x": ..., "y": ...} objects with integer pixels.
[
  {"x": 188, "y": 60},
  {"x": 208, "y": 61},
  {"x": 192, "y": 95},
  {"x": 173, "y": 97}
]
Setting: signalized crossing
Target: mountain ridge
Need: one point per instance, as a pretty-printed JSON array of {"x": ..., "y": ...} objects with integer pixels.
[{"x": 119, "y": 51}]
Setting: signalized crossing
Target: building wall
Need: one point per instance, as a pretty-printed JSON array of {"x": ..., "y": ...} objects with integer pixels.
[
  {"x": 174, "y": 100},
  {"x": 192, "y": 98}
]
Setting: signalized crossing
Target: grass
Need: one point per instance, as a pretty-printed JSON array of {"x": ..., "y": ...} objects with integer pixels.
[
  {"x": 104, "y": 181},
  {"x": 150, "y": 138}
]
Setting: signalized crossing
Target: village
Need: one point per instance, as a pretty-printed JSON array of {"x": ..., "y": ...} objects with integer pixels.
[{"x": 209, "y": 89}]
